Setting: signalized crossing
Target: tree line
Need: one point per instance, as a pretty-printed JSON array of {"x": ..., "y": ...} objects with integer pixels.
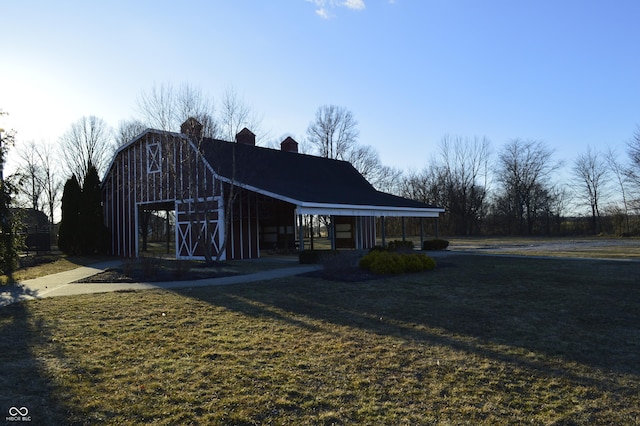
[{"x": 516, "y": 190}]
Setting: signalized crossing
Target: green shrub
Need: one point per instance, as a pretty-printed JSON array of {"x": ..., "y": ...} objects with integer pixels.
[
  {"x": 428, "y": 263},
  {"x": 435, "y": 244},
  {"x": 368, "y": 260},
  {"x": 412, "y": 264},
  {"x": 391, "y": 263}
]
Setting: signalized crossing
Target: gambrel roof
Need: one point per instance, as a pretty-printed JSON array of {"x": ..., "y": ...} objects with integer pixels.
[{"x": 315, "y": 185}]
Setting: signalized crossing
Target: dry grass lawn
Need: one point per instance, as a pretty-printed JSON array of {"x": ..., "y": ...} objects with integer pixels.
[{"x": 480, "y": 340}]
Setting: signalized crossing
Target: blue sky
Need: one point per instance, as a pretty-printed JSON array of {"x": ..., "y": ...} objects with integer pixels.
[{"x": 411, "y": 71}]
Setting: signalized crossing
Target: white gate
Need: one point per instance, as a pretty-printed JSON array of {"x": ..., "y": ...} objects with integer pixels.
[{"x": 195, "y": 220}]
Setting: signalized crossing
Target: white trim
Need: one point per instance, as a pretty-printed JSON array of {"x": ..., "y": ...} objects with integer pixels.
[
  {"x": 137, "y": 230},
  {"x": 347, "y": 210},
  {"x": 258, "y": 190},
  {"x": 222, "y": 229}
]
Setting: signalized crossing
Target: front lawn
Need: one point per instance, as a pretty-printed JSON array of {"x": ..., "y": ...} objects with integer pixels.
[{"x": 479, "y": 340}]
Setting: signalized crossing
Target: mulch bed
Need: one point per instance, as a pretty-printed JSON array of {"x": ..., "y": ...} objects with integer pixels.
[
  {"x": 354, "y": 274},
  {"x": 117, "y": 275}
]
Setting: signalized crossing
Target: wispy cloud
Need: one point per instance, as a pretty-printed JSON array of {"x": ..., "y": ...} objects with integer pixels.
[
  {"x": 354, "y": 4},
  {"x": 324, "y": 7}
]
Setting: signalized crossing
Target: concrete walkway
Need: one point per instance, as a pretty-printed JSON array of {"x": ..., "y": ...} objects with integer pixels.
[{"x": 62, "y": 283}]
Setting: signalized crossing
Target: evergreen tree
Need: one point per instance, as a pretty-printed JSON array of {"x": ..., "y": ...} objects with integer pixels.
[
  {"x": 69, "y": 233},
  {"x": 10, "y": 243},
  {"x": 92, "y": 227}
]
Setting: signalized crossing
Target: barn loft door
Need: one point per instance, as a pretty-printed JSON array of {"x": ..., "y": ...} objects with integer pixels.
[{"x": 195, "y": 219}]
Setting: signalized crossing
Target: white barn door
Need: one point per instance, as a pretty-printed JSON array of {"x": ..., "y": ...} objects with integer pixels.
[{"x": 196, "y": 219}]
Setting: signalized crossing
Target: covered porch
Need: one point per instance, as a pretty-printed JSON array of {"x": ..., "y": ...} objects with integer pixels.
[{"x": 357, "y": 227}]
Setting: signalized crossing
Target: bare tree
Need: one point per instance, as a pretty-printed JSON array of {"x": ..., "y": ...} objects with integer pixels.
[
  {"x": 234, "y": 114},
  {"x": 52, "y": 184},
  {"x": 634, "y": 149},
  {"x": 334, "y": 132},
  {"x": 621, "y": 174},
  {"x": 556, "y": 209},
  {"x": 633, "y": 173},
  {"x": 157, "y": 107},
  {"x": 456, "y": 178},
  {"x": 166, "y": 108},
  {"x": 524, "y": 170},
  {"x": 30, "y": 175},
  {"x": 88, "y": 140},
  {"x": 425, "y": 186},
  {"x": 366, "y": 161},
  {"x": 38, "y": 177},
  {"x": 387, "y": 179},
  {"x": 464, "y": 167},
  {"x": 128, "y": 130},
  {"x": 590, "y": 172}
]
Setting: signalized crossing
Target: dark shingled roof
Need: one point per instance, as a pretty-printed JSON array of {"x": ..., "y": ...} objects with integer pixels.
[{"x": 300, "y": 177}]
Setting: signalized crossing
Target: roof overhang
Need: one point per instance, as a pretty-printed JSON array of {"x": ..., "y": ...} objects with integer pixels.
[
  {"x": 326, "y": 209},
  {"x": 359, "y": 210}
]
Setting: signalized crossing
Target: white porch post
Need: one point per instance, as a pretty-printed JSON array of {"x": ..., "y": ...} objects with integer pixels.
[
  {"x": 300, "y": 233},
  {"x": 332, "y": 231},
  {"x": 404, "y": 229},
  {"x": 358, "y": 233}
]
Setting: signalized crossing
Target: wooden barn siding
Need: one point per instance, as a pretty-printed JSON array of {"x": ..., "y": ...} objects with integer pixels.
[
  {"x": 243, "y": 240},
  {"x": 182, "y": 175}
]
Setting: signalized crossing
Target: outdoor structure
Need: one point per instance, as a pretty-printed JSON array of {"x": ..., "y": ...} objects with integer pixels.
[{"x": 236, "y": 199}]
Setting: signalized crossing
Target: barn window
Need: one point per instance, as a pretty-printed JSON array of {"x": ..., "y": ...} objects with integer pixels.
[{"x": 154, "y": 155}]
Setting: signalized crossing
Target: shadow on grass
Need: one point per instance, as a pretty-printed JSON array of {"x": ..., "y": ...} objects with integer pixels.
[
  {"x": 25, "y": 391},
  {"x": 15, "y": 292},
  {"x": 557, "y": 318}
]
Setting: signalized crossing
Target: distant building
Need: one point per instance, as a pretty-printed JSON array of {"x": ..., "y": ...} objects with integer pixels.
[{"x": 35, "y": 228}]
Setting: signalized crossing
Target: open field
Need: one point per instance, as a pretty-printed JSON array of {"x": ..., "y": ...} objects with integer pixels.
[
  {"x": 480, "y": 340},
  {"x": 578, "y": 247}
]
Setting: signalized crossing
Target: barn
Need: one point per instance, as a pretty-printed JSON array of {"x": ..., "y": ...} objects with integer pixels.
[{"x": 236, "y": 199}]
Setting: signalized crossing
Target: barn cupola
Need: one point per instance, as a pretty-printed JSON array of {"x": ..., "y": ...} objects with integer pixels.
[
  {"x": 246, "y": 137},
  {"x": 289, "y": 145},
  {"x": 192, "y": 128}
]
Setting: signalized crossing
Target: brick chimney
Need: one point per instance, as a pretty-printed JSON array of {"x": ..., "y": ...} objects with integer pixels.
[
  {"x": 289, "y": 145},
  {"x": 246, "y": 137},
  {"x": 192, "y": 128}
]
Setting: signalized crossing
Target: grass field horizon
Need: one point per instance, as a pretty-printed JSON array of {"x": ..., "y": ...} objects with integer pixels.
[{"x": 479, "y": 340}]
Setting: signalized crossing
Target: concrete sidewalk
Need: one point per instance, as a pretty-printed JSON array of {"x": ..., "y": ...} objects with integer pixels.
[{"x": 62, "y": 283}]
